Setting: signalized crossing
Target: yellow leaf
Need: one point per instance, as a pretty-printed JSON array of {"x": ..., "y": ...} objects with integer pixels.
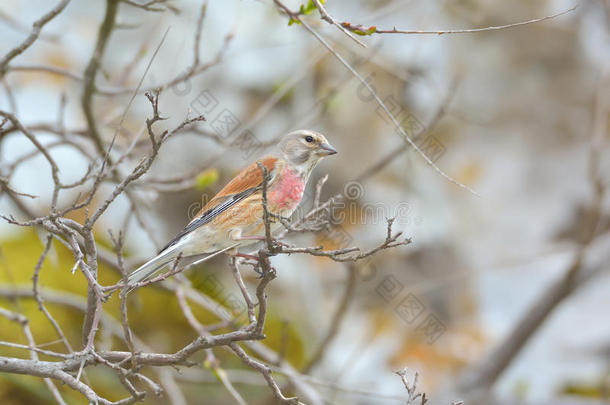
[{"x": 206, "y": 179}]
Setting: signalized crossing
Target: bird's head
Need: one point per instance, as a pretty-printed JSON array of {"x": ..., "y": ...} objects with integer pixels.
[{"x": 304, "y": 148}]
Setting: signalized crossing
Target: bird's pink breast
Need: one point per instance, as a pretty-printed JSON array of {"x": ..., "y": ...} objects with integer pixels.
[{"x": 287, "y": 192}]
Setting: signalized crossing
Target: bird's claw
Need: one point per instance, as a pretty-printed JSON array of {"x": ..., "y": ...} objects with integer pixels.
[
  {"x": 259, "y": 271},
  {"x": 262, "y": 273},
  {"x": 278, "y": 244}
]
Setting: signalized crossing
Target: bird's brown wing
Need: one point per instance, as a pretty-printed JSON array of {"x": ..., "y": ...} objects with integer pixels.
[
  {"x": 250, "y": 177},
  {"x": 241, "y": 186}
]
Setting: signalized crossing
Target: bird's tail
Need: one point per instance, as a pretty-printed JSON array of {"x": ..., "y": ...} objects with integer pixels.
[{"x": 152, "y": 266}]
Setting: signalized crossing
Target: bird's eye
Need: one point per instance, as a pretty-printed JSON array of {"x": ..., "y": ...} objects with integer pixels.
[{"x": 309, "y": 139}]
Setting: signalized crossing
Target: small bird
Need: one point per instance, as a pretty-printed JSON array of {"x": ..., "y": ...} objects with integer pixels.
[{"x": 234, "y": 217}]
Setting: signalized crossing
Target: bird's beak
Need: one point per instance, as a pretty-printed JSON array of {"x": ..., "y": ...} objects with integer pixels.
[{"x": 326, "y": 149}]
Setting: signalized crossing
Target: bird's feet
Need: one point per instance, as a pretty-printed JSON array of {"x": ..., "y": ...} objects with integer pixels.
[
  {"x": 247, "y": 256},
  {"x": 253, "y": 261},
  {"x": 275, "y": 243}
]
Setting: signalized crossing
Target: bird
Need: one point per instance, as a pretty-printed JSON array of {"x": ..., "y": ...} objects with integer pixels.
[{"x": 234, "y": 217}]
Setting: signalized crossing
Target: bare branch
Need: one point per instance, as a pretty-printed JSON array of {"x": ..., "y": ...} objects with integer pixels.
[
  {"x": 36, "y": 28},
  {"x": 377, "y": 98},
  {"x": 266, "y": 372},
  {"x": 374, "y": 30},
  {"x": 330, "y": 19},
  {"x": 105, "y": 30}
]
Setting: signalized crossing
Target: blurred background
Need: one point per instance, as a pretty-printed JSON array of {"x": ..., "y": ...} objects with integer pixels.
[{"x": 520, "y": 115}]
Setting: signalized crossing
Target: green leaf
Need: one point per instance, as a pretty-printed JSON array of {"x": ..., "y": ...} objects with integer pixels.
[
  {"x": 206, "y": 178},
  {"x": 310, "y": 7},
  {"x": 305, "y": 10},
  {"x": 371, "y": 30},
  {"x": 368, "y": 31}
]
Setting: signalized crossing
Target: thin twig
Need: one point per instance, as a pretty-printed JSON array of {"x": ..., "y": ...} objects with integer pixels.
[
  {"x": 36, "y": 28},
  {"x": 377, "y": 99},
  {"x": 375, "y": 30}
]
